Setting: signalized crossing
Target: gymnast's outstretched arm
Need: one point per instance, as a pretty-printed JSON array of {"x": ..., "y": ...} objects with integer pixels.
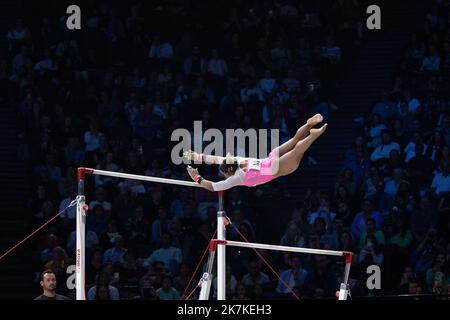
[
  {"x": 194, "y": 156},
  {"x": 228, "y": 183}
]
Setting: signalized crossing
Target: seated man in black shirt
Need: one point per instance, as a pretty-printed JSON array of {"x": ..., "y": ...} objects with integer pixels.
[{"x": 48, "y": 283}]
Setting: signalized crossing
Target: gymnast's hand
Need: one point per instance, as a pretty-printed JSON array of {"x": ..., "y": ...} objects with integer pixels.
[
  {"x": 192, "y": 172},
  {"x": 191, "y": 155}
]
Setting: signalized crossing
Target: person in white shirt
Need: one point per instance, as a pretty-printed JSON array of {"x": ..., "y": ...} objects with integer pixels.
[
  {"x": 323, "y": 212},
  {"x": 268, "y": 83},
  {"x": 108, "y": 165},
  {"x": 431, "y": 62},
  {"x": 250, "y": 90},
  {"x": 391, "y": 186},
  {"x": 216, "y": 65},
  {"x": 441, "y": 180},
  {"x": 410, "y": 149},
  {"x": 374, "y": 131},
  {"x": 100, "y": 196},
  {"x": 413, "y": 103},
  {"x": 382, "y": 151},
  {"x": 46, "y": 64},
  {"x": 19, "y": 32},
  {"x": 160, "y": 50},
  {"x": 331, "y": 51},
  {"x": 167, "y": 254},
  {"x": 92, "y": 138}
]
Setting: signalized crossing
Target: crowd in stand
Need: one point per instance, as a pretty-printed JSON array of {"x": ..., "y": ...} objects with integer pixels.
[{"x": 109, "y": 96}]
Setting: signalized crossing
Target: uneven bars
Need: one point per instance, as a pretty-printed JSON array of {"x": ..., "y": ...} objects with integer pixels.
[
  {"x": 139, "y": 177},
  {"x": 285, "y": 248}
]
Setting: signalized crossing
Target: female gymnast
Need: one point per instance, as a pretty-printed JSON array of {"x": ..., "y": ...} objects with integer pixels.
[{"x": 249, "y": 172}]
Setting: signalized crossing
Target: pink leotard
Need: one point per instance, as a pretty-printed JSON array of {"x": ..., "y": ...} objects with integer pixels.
[{"x": 258, "y": 171}]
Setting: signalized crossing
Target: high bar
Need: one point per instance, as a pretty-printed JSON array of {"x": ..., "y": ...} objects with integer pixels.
[
  {"x": 82, "y": 171},
  {"x": 284, "y": 248}
]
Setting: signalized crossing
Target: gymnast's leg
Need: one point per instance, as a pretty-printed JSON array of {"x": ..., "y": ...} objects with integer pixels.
[
  {"x": 301, "y": 133},
  {"x": 290, "y": 161}
]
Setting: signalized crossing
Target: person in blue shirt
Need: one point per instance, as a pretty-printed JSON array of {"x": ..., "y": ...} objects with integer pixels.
[
  {"x": 116, "y": 253},
  {"x": 359, "y": 222},
  {"x": 293, "y": 277}
]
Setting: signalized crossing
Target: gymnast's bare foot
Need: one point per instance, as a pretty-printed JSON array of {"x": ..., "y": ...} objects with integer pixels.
[
  {"x": 317, "y": 118},
  {"x": 315, "y": 133}
]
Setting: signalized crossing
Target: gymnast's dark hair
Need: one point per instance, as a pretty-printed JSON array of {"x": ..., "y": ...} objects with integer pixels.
[{"x": 228, "y": 167}]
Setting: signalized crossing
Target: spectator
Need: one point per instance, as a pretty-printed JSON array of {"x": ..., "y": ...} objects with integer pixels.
[
  {"x": 320, "y": 282},
  {"x": 335, "y": 231},
  {"x": 375, "y": 131},
  {"x": 402, "y": 236},
  {"x": 420, "y": 168},
  {"x": 254, "y": 276},
  {"x": 167, "y": 292},
  {"x": 195, "y": 64},
  {"x": 292, "y": 237},
  {"x": 359, "y": 224},
  {"x": 97, "y": 221},
  {"x": 94, "y": 266},
  {"x": 392, "y": 185},
  {"x": 137, "y": 227},
  {"x": 345, "y": 241},
  {"x": 414, "y": 288},
  {"x": 216, "y": 66},
  {"x": 295, "y": 276},
  {"x": 92, "y": 137},
  {"x": 240, "y": 293},
  {"x": 160, "y": 225},
  {"x": 431, "y": 62},
  {"x": 91, "y": 241},
  {"x": 324, "y": 212},
  {"x": 267, "y": 83},
  {"x": 441, "y": 180},
  {"x": 382, "y": 151},
  {"x": 116, "y": 253},
  {"x": 370, "y": 253},
  {"x": 103, "y": 279},
  {"x": 108, "y": 238},
  {"x": 423, "y": 218},
  {"x": 167, "y": 254},
  {"x": 382, "y": 200},
  {"x": 59, "y": 263},
  {"x": 384, "y": 108},
  {"x": 410, "y": 149},
  {"x": 160, "y": 49},
  {"x": 372, "y": 232},
  {"x": 258, "y": 292},
  {"x": 230, "y": 282},
  {"x": 100, "y": 198}
]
